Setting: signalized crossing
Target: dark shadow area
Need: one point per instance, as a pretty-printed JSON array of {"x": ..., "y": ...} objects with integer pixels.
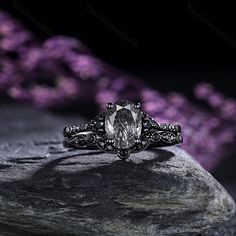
[
  {"x": 95, "y": 192},
  {"x": 226, "y": 170},
  {"x": 43, "y": 172},
  {"x": 2, "y": 166},
  {"x": 26, "y": 160}
]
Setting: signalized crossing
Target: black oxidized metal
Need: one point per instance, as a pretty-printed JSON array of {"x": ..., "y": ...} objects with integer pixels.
[{"x": 123, "y": 129}]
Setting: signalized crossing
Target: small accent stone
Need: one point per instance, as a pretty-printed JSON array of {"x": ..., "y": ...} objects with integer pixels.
[
  {"x": 156, "y": 137},
  {"x": 143, "y": 142},
  {"x": 99, "y": 124},
  {"x": 147, "y": 124},
  {"x": 123, "y": 153}
]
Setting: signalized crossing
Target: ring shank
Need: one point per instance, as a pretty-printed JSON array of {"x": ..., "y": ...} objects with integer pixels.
[
  {"x": 75, "y": 129},
  {"x": 80, "y": 136}
]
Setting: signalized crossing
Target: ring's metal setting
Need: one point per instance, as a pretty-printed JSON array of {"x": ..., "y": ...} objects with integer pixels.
[{"x": 123, "y": 129}]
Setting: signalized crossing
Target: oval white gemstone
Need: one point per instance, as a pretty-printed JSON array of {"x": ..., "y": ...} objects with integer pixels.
[{"x": 123, "y": 124}]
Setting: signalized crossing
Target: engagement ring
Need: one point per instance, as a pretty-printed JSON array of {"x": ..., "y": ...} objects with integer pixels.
[{"x": 123, "y": 129}]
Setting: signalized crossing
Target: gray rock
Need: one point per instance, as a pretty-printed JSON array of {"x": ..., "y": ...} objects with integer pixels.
[
  {"x": 48, "y": 190},
  {"x": 228, "y": 228}
]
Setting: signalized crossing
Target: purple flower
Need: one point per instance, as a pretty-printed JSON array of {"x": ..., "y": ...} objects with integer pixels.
[{"x": 62, "y": 71}]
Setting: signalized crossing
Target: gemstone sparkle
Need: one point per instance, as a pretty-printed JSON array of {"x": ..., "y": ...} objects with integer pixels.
[{"x": 123, "y": 124}]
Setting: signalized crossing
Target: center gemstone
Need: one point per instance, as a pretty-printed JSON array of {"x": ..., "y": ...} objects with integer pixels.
[{"x": 123, "y": 124}]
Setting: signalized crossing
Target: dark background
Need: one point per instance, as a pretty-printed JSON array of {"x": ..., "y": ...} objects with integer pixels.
[{"x": 170, "y": 44}]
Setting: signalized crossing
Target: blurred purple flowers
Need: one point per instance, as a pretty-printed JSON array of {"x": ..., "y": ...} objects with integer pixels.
[{"x": 62, "y": 71}]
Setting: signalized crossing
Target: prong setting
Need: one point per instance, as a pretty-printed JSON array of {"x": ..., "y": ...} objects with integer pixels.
[
  {"x": 110, "y": 141},
  {"x": 109, "y": 105},
  {"x": 138, "y": 106},
  {"x": 137, "y": 141}
]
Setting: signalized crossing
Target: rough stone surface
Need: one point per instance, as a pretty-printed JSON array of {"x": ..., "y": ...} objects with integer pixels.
[
  {"x": 228, "y": 228},
  {"x": 47, "y": 190}
]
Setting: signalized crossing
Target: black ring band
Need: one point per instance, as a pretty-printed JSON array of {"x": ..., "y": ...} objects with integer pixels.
[{"x": 150, "y": 133}]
